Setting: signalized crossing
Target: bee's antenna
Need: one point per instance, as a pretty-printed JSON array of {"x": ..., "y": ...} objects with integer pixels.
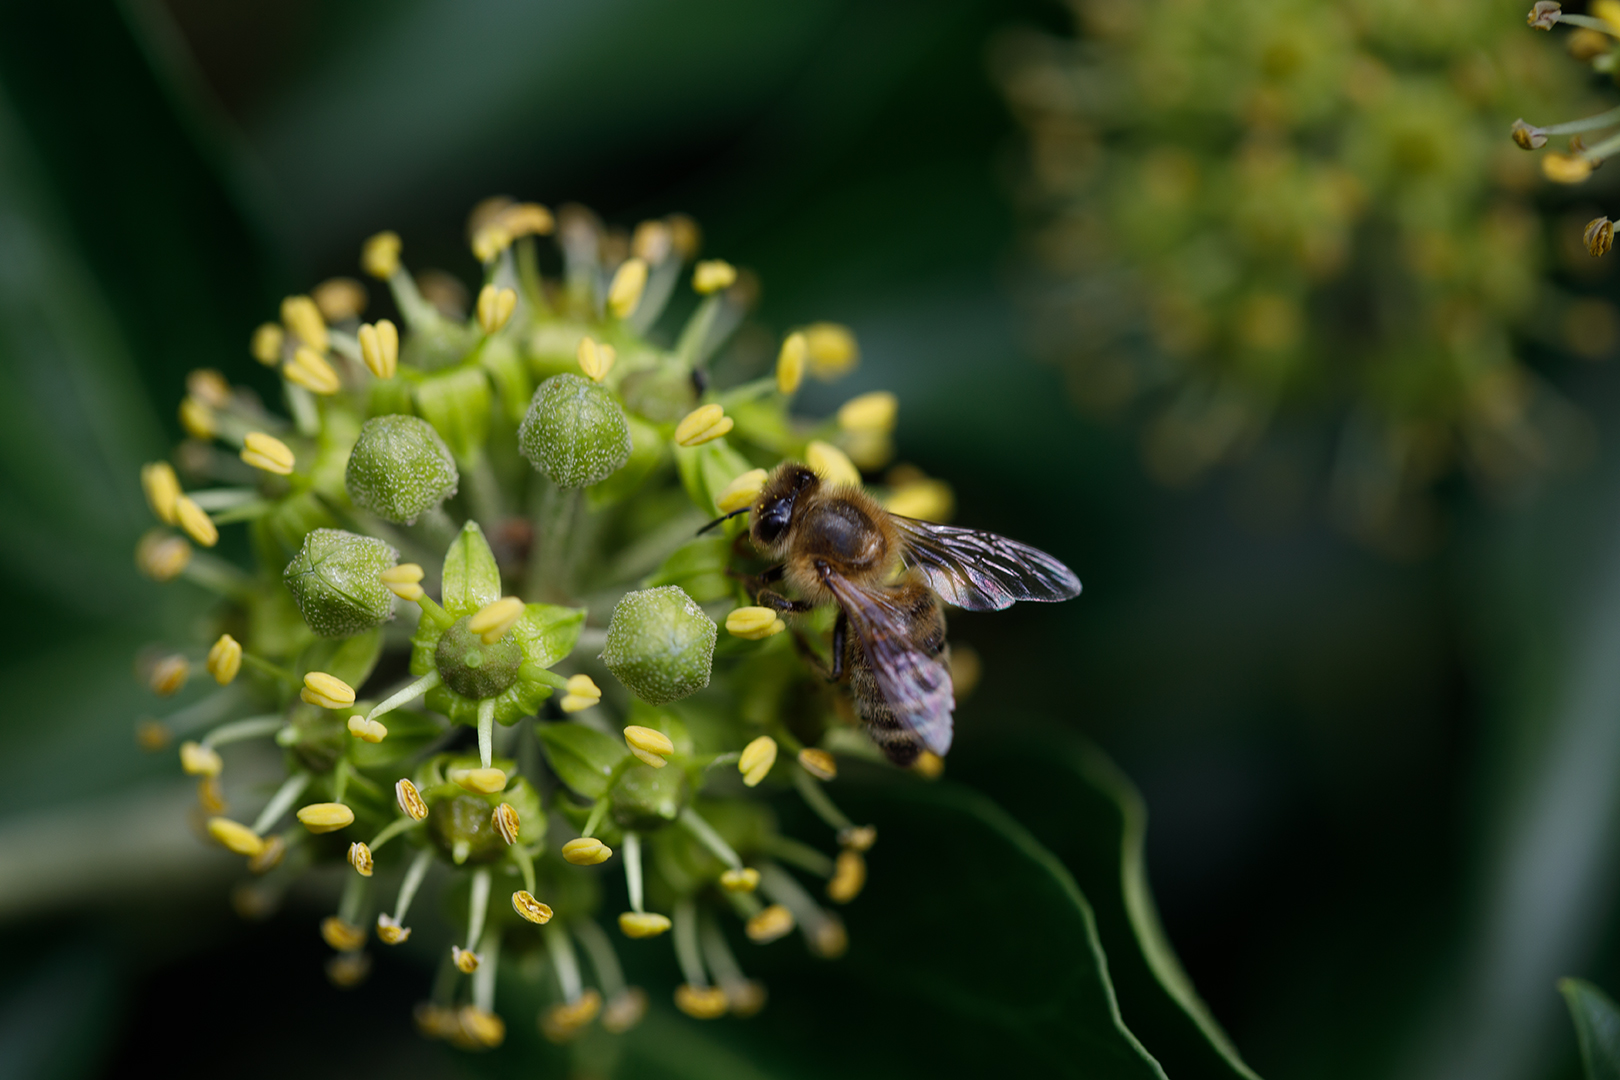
[{"x": 723, "y": 517}]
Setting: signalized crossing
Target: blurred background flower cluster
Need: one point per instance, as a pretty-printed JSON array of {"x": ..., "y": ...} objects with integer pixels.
[{"x": 1250, "y": 312}]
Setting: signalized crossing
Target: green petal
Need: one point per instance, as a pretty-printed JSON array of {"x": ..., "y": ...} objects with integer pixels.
[{"x": 471, "y": 578}]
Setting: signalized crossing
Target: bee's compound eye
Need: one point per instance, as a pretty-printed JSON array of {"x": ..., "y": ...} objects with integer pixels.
[{"x": 771, "y": 522}]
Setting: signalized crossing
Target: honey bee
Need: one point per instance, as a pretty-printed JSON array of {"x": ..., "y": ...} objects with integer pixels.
[{"x": 888, "y": 575}]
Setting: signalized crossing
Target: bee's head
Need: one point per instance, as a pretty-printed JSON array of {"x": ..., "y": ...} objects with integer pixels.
[{"x": 773, "y": 510}]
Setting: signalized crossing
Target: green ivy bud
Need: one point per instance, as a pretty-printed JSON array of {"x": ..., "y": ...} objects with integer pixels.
[
  {"x": 400, "y": 468},
  {"x": 334, "y": 581},
  {"x": 660, "y": 644},
  {"x": 574, "y": 432},
  {"x": 646, "y": 798}
]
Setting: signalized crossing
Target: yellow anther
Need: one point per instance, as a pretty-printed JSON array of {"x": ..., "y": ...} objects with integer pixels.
[
  {"x": 561, "y": 1023},
  {"x": 757, "y": 759},
  {"x": 198, "y": 419},
  {"x": 684, "y": 234},
  {"x": 701, "y": 1002},
  {"x": 712, "y": 275},
  {"x": 869, "y": 412},
  {"x": 268, "y": 859},
  {"x": 466, "y": 960},
  {"x": 652, "y": 241},
  {"x": 435, "y": 1022},
  {"x": 624, "y": 1010},
  {"x": 225, "y": 659},
  {"x": 379, "y": 255},
  {"x": 642, "y": 924},
  {"x": 1608, "y": 11},
  {"x": 325, "y": 817},
  {"x": 769, "y": 924},
  {"x": 162, "y": 556},
  {"x": 348, "y": 970},
  {"x": 303, "y": 319},
  {"x": 929, "y": 765},
  {"x": 379, "y": 348},
  {"x": 524, "y": 903},
  {"x": 1599, "y": 236},
  {"x": 195, "y": 522},
  {"x": 152, "y": 735},
  {"x": 649, "y": 746},
  {"x": 506, "y": 822},
  {"x": 703, "y": 424},
  {"x": 481, "y": 1027},
  {"x": 831, "y": 350},
  {"x": 628, "y": 282},
  {"x": 210, "y": 796},
  {"x": 489, "y": 241},
  {"x": 483, "y": 781},
  {"x": 339, "y": 298},
  {"x": 266, "y": 343},
  {"x": 586, "y": 851},
  {"x": 831, "y": 464},
  {"x": 235, "y": 836},
  {"x": 1544, "y": 14},
  {"x": 389, "y": 932},
  {"x": 527, "y": 219},
  {"x": 199, "y": 760},
  {"x": 746, "y": 997},
  {"x": 744, "y": 879},
  {"x": 360, "y": 858},
  {"x": 754, "y": 623},
  {"x": 162, "y": 489},
  {"x": 169, "y": 675},
  {"x": 268, "y": 453},
  {"x": 371, "y": 731},
  {"x": 342, "y": 936},
  {"x": 849, "y": 876},
  {"x": 310, "y": 370},
  {"x": 493, "y": 620},
  {"x": 790, "y": 363},
  {"x": 741, "y": 491},
  {"x": 925, "y": 500},
  {"x": 404, "y": 580},
  {"x": 828, "y": 939},
  {"x": 327, "y": 691},
  {"x": 582, "y": 693},
  {"x": 410, "y": 800},
  {"x": 1566, "y": 168},
  {"x": 818, "y": 763},
  {"x": 966, "y": 667},
  {"x": 857, "y": 837},
  {"x": 495, "y": 306},
  {"x": 209, "y": 387},
  {"x": 595, "y": 359}
]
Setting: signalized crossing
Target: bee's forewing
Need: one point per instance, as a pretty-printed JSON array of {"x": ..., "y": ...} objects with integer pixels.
[{"x": 981, "y": 571}]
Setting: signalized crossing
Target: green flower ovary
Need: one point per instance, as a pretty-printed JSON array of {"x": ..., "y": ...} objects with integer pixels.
[{"x": 472, "y": 668}]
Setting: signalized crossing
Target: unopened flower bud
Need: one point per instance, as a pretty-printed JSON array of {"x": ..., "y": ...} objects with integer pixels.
[
  {"x": 595, "y": 359},
  {"x": 1545, "y": 14},
  {"x": 483, "y": 781},
  {"x": 310, "y": 370},
  {"x": 700, "y": 1002},
  {"x": 495, "y": 307},
  {"x": 169, "y": 675},
  {"x": 506, "y": 822},
  {"x": 790, "y": 363},
  {"x": 371, "y": 731},
  {"x": 199, "y": 760},
  {"x": 465, "y": 959},
  {"x": 586, "y": 851},
  {"x": 574, "y": 432},
  {"x": 389, "y": 932},
  {"x": 628, "y": 282},
  {"x": 268, "y": 453},
  {"x": 1527, "y": 136},
  {"x": 360, "y": 858},
  {"x": 753, "y": 623},
  {"x": 651, "y": 747},
  {"x": 1599, "y": 236},
  {"x": 335, "y": 582},
  {"x": 303, "y": 319},
  {"x": 831, "y": 350},
  {"x": 195, "y": 521},
  {"x": 757, "y": 759},
  {"x": 849, "y": 876},
  {"x": 379, "y": 256},
  {"x": 642, "y": 924},
  {"x": 379, "y": 348},
  {"x": 410, "y": 800},
  {"x": 162, "y": 490},
  {"x": 325, "y": 817},
  {"x": 743, "y": 879},
  {"x": 660, "y": 644},
  {"x": 818, "y": 763},
  {"x": 225, "y": 659},
  {"x": 162, "y": 556},
  {"x": 582, "y": 693},
  {"x": 741, "y": 491},
  {"x": 831, "y": 464},
  {"x": 235, "y": 836},
  {"x": 712, "y": 275},
  {"x": 703, "y": 424},
  {"x": 342, "y": 936},
  {"x": 524, "y": 903},
  {"x": 1566, "y": 168},
  {"x": 400, "y": 468},
  {"x": 266, "y": 344}
]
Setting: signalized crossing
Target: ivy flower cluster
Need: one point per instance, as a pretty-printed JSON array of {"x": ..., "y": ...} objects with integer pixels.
[
  {"x": 1256, "y": 220},
  {"x": 483, "y": 634}
]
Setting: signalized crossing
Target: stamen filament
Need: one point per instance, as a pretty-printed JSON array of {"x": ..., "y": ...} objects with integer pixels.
[
  {"x": 810, "y": 789},
  {"x": 597, "y": 813},
  {"x": 391, "y": 830},
  {"x": 632, "y": 870},
  {"x": 566, "y": 964},
  {"x": 478, "y": 906},
  {"x": 238, "y": 730},
  {"x": 483, "y": 980},
  {"x": 1602, "y": 150},
  {"x": 204, "y": 712},
  {"x": 223, "y": 498},
  {"x": 718, "y": 954},
  {"x": 486, "y": 733},
  {"x": 609, "y": 975},
  {"x": 281, "y": 802},
  {"x": 687, "y": 954},
  {"x": 275, "y": 671},
  {"x": 407, "y": 695},
  {"x": 1590, "y": 23},
  {"x": 520, "y": 855},
  {"x": 799, "y": 854},
  {"x": 218, "y": 576},
  {"x": 1570, "y": 127},
  {"x": 354, "y": 899},
  {"x": 708, "y": 838},
  {"x": 306, "y": 414},
  {"x": 413, "y": 881}
]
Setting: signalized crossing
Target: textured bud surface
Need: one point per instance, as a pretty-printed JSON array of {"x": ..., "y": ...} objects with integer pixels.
[
  {"x": 334, "y": 582},
  {"x": 660, "y": 644},
  {"x": 400, "y": 468},
  {"x": 472, "y": 668},
  {"x": 574, "y": 432}
]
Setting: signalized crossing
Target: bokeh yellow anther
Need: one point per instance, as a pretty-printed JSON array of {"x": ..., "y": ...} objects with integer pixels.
[
  {"x": 360, "y": 858},
  {"x": 153, "y": 735},
  {"x": 754, "y": 623},
  {"x": 703, "y": 424},
  {"x": 873, "y": 412},
  {"x": 527, "y": 219},
  {"x": 857, "y": 837},
  {"x": 769, "y": 924},
  {"x": 162, "y": 488},
  {"x": 411, "y": 803},
  {"x": 371, "y": 731},
  {"x": 199, "y": 760},
  {"x": 741, "y": 491},
  {"x": 325, "y": 817},
  {"x": 196, "y": 523},
  {"x": 624, "y": 1010},
  {"x": 495, "y": 306},
  {"x": 629, "y": 280},
  {"x": 1566, "y": 168},
  {"x": 560, "y": 1023},
  {"x": 925, "y": 499},
  {"x": 379, "y": 255},
  {"x": 169, "y": 674},
  {"x": 506, "y": 822},
  {"x": 790, "y": 363},
  {"x": 268, "y": 453},
  {"x": 831, "y": 464},
  {"x": 595, "y": 358},
  {"x": 162, "y": 556},
  {"x": 210, "y": 795},
  {"x": 650, "y": 746},
  {"x": 849, "y": 876},
  {"x": 818, "y": 763},
  {"x": 929, "y": 765},
  {"x": 831, "y": 350},
  {"x": 342, "y": 936},
  {"x": 466, "y": 960},
  {"x": 701, "y": 1002},
  {"x": 483, "y": 781},
  {"x": 404, "y": 580},
  {"x": 757, "y": 759},
  {"x": 339, "y": 299},
  {"x": 198, "y": 419},
  {"x": 266, "y": 344},
  {"x": 379, "y": 348},
  {"x": 524, "y": 903},
  {"x": 235, "y": 836},
  {"x": 582, "y": 693},
  {"x": 586, "y": 851},
  {"x": 275, "y": 848},
  {"x": 712, "y": 275},
  {"x": 642, "y": 924},
  {"x": 310, "y": 370},
  {"x": 494, "y": 619},
  {"x": 209, "y": 387},
  {"x": 303, "y": 319},
  {"x": 225, "y": 659},
  {"x": 389, "y": 932},
  {"x": 742, "y": 879},
  {"x": 327, "y": 691}
]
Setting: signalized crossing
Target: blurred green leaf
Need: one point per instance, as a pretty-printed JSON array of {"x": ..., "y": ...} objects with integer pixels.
[
  {"x": 1597, "y": 1024},
  {"x": 581, "y": 757}
]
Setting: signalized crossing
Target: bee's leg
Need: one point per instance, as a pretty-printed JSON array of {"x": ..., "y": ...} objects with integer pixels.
[
  {"x": 769, "y": 598},
  {"x": 839, "y": 640},
  {"x": 755, "y": 582},
  {"x": 810, "y": 655}
]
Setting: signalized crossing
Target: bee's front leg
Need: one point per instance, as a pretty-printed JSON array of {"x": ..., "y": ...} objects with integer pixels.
[
  {"x": 769, "y": 598},
  {"x": 754, "y": 583}
]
